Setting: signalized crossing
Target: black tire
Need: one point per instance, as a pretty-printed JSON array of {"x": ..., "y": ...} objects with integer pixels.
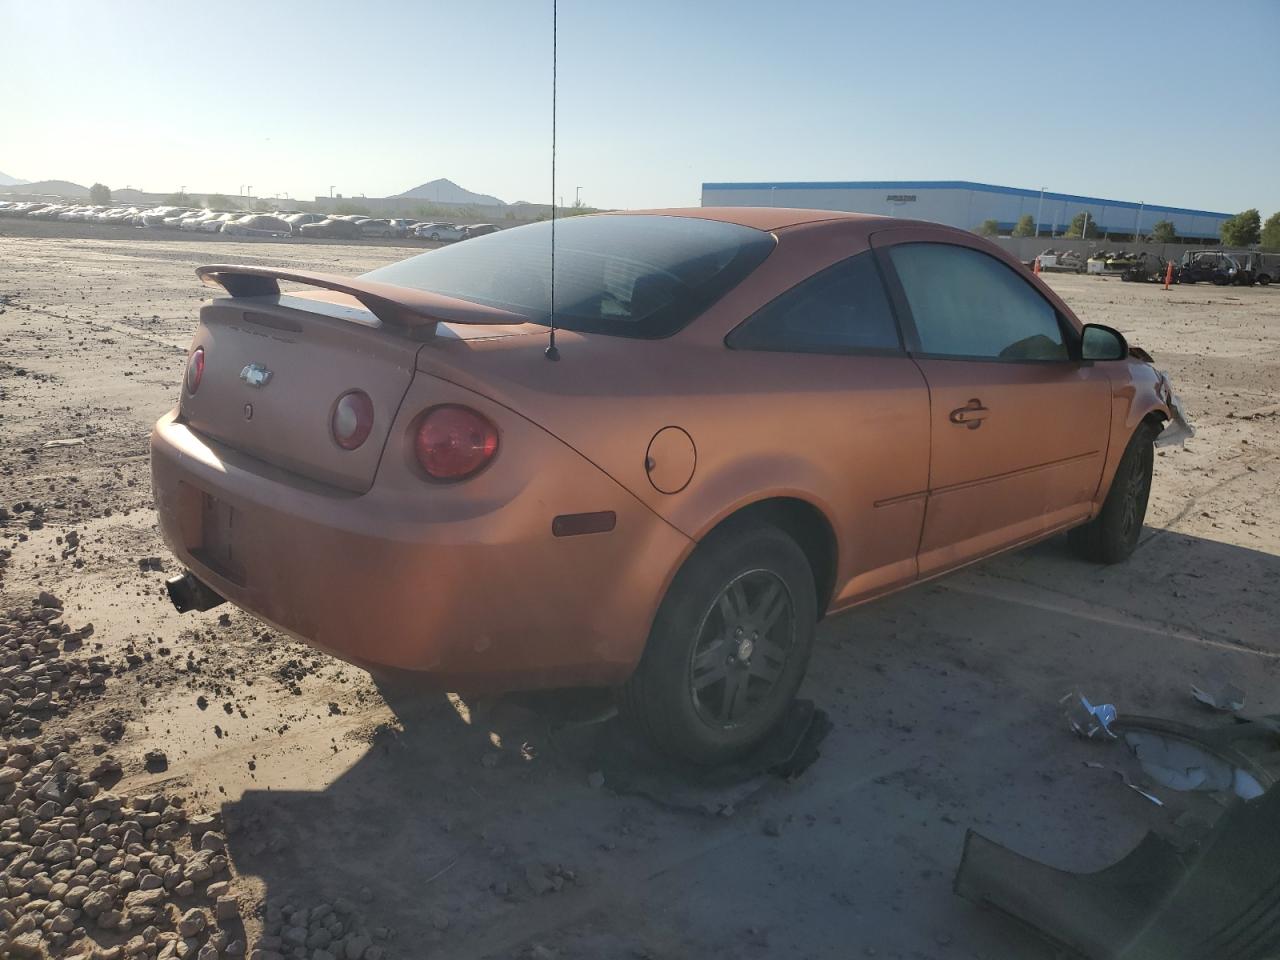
[
  {"x": 705, "y": 712},
  {"x": 435, "y": 237},
  {"x": 1112, "y": 535},
  {"x": 1264, "y": 280}
]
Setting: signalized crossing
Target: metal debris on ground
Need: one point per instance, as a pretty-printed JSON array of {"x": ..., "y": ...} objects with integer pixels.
[{"x": 1087, "y": 720}]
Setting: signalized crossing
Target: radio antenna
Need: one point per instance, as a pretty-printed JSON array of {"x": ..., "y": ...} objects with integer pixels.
[{"x": 551, "y": 352}]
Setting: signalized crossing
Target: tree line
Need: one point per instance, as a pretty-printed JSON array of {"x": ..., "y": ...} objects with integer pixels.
[{"x": 1245, "y": 229}]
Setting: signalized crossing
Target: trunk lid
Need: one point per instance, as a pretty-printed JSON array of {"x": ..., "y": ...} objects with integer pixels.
[
  {"x": 275, "y": 365},
  {"x": 304, "y": 361}
]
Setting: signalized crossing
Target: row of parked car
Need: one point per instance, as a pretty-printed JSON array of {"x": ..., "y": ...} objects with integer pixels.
[
  {"x": 1195, "y": 266},
  {"x": 279, "y": 224}
]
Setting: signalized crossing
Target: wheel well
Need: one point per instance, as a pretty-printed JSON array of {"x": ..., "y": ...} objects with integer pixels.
[
  {"x": 805, "y": 524},
  {"x": 1156, "y": 418}
]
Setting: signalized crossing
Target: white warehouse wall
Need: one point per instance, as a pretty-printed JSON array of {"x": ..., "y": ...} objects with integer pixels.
[{"x": 963, "y": 204}]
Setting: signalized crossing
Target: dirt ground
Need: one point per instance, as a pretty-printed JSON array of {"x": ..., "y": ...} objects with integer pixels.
[{"x": 442, "y": 828}]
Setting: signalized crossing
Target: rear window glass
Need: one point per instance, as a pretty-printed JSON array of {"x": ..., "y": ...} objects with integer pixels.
[
  {"x": 631, "y": 276},
  {"x": 843, "y": 309}
]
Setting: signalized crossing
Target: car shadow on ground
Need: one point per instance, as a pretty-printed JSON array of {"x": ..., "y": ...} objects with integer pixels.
[{"x": 476, "y": 829}]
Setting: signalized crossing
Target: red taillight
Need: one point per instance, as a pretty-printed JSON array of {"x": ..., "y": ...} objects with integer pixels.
[
  {"x": 352, "y": 419},
  {"x": 454, "y": 442},
  {"x": 195, "y": 369}
]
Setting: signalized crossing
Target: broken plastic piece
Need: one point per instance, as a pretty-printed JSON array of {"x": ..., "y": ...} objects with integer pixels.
[
  {"x": 1220, "y": 695},
  {"x": 1137, "y": 789},
  {"x": 1087, "y": 720},
  {"x": 1178, "y": 430},
  {"x": 1216, "y": 900},
  {"x": 1182, "y": 765}
]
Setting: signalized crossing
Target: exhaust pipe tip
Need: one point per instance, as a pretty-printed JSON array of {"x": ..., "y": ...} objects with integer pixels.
[{"x": 187, "y": 593}]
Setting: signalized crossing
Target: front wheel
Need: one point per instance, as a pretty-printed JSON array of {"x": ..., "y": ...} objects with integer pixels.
[
  {"x": 1112, "y": 535},
  {"x": 728, "y": 648}
]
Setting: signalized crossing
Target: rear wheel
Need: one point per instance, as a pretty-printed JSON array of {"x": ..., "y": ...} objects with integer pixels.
[
  {"x": 1113, "y": 534},
  {"x": 728, "y": 648}
]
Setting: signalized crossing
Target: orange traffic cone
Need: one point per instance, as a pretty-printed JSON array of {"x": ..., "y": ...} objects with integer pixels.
[
  {"x": 1168, "y": 274},
  {"x": 1036, "y": 267}
]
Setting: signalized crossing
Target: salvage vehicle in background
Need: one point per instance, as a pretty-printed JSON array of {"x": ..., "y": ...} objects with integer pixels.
[
  {"x": 193, "y": 223},
  {"x": 1263, "y": 267},
  {"x": 386, "y": 229},
  {"x": 257, "y": 225},
  {"x": 216, "y": 224},
  {"x": 478, "y": 230},
  {"x": 1061, "y": 261},
  {"x": 390, "y": 467},
  {"x": 156, "y": 216},
  {"x": 297, "y": 221},
  {"x": 1213, "y": 266},
  {"x": 440, "y": 231},
  {"x": 1110, "y": 262},
  {"x": 1145, "y": 267},
  {"x": 334, "y": 229}
]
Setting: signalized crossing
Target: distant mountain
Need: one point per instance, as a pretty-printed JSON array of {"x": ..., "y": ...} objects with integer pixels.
[
  {"x": 61, "y": 188},
  {"x": 446, "y": 191},
  {"x": 8, "y": 181}
]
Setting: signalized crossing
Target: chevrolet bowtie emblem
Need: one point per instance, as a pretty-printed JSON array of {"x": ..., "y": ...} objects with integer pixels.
[{"x": 255, "y": 375}]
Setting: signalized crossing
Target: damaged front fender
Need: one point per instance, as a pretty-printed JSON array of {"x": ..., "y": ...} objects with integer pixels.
[{"x": 1178, "y": 430}]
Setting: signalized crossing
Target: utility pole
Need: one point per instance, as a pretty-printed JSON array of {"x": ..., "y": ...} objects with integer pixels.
[
  {"x": 331, "y": 186},
  {"x": 1137, "y": 224},
  {"x": 577, "y": 196},
  {"x": 1039, "y": 208}
]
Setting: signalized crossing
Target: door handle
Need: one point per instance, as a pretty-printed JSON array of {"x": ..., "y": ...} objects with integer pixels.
[{"x": 970, "y": 415}]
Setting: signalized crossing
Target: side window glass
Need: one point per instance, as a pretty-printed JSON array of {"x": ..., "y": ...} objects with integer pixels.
[
  {"x": 968, "y": 304},
  {"x": 840, "y": 310}
]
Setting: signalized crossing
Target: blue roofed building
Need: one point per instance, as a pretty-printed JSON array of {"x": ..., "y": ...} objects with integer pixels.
[{"x": 964, "y": 204}]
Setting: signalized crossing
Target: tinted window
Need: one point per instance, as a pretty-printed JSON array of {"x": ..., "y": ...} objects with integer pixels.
[
  {"x": 632, "y": 276},
  {"x": 968, "y": 304},
  {"x": 843, "y": 308}
]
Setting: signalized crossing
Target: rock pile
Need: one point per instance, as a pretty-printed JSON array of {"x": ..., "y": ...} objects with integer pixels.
[
  {"x": 76, "y": 861},
  {"x": 36, "y": 681},
  {"x": 327, "y": 931}
]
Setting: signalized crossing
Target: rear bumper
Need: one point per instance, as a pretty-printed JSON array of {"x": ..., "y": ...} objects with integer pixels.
[{"x": 467, "y": 587}]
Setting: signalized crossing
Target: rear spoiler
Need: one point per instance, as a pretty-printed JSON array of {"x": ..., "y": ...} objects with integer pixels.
[{"x": 414, "y": 311}]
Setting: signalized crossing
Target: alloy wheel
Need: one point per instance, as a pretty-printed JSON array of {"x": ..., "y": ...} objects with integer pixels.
[{"x": 744, "y": 641}]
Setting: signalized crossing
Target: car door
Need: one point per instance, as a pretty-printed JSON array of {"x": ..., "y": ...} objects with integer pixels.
[
  {"x": 832, "y": 346},
  {"x": 1019, "y": 425}
]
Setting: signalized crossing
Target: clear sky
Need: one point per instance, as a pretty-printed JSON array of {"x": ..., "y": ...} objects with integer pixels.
[{"x": 1165, "y": 102}]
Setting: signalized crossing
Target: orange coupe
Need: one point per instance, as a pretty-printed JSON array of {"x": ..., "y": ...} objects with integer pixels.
[{"x": 753, "y": 418}]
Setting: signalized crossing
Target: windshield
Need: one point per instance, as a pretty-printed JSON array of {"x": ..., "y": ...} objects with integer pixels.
[{"x": 631, "y": 276}]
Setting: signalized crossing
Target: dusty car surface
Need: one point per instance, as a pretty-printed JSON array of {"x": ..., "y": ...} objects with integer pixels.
[{"x": 757, "y": 417}]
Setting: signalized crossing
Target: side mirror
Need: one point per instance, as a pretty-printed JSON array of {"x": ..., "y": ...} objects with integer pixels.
[{"x": 1102, "y": 343}]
